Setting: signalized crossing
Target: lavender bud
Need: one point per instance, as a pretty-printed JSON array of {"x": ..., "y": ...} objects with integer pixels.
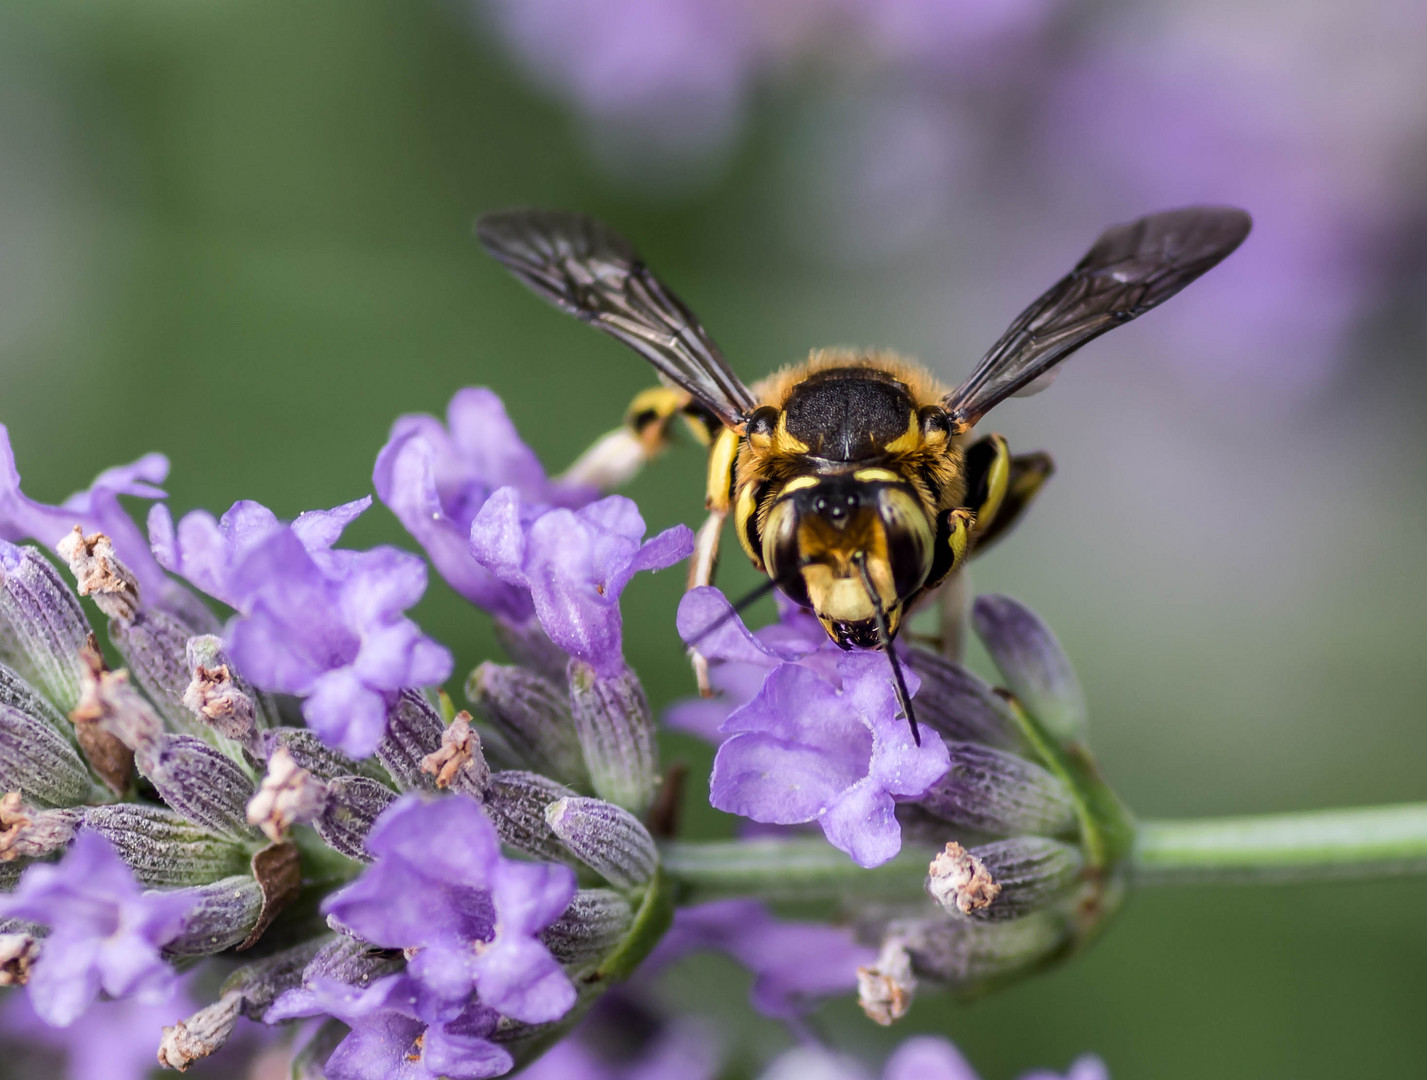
[
  {"x": 277, "y": 869},
  {"x": 516, "y": 802},
  {"x": 27, "y": 833},
  {"x": 961, "y": 706},
  {"x": 164, "y": 850},
  {"x": 995, "y": 792},
  {"x": 42, "y": 627},
  {"x": 963, "y": 953},
  {"x": 219, "y": 693},
  {"x": 154, "y": 646},
  {"x": 108, "y": 702},
  {"x": 351, "y": 961},
  {"x": 532, "y": 714},
  {"x": 38, "y": 762},
  {"x": 16, "y": 693},
  {"x": 202, "y": 784},
  {"x": 1035, "y": 667},
  {"x": 99, "y": 574},
  {"x": 224, "y": 914},
  {"x": 616, "y": 733},
  {"x": 353, "y": 805},
  {"x": 288, "y": 795},
  {"x": 459, "y": 763},
  {"x": 310, "y": 752},
  {"x": 205, "y": 1032},
  {"x": 530, "y": 647},
  {"x": 413, "y": 732},
  {"x": 606, "y": 838},
  {"x": 1004, "y": 880},
  {"x": 591, "y": 926},
  {"x": 261, "y": 983},
  {"x": 885, "y": 990},
  {"x": 18, "y": 952}
]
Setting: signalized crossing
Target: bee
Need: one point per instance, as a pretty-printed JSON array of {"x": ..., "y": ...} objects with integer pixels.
[{"x": 852, "y": 478}]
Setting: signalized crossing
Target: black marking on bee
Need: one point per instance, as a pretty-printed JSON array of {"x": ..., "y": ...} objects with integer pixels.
[
  {"x": 979, "y": 458},
  {"x": 848, "y": 414}
]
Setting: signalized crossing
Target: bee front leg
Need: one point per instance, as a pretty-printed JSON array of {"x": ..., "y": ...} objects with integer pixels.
[
  {"x": 702, "y": 566},
  {"x": 717, "y": 498},
  {"x": 616, "y": 457}
]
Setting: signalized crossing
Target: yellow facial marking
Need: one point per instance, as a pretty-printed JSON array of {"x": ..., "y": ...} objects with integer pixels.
[
  {"x": 801, "y": 483},
  {"x": 877, "y": 474}
]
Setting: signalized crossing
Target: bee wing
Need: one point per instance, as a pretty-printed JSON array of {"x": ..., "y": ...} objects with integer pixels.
[
  {"x": 1132, "y": 268},
  {"x": 586, "y": 268}
]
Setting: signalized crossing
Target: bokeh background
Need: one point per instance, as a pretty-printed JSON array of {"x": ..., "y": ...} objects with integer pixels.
[{"x": 238, "y": 231}]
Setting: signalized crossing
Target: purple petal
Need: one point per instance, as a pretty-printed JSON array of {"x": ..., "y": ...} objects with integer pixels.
[
  {"x": 345, "y": 712},
  {"x": 762, "y": 778},
  {"x": 320, "y": 529},
  {"x": 66, "y": 980},
  {"x": 519, "y": 977},
  {"x": 861, "y": 822},
  {"x": 497, "y": 538}
]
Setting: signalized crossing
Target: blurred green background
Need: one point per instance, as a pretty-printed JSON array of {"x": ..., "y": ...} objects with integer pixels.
[{"x": 238, "y": 231}]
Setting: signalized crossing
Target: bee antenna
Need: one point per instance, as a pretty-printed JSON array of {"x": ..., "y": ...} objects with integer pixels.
[{"x": 904, "y": 699}]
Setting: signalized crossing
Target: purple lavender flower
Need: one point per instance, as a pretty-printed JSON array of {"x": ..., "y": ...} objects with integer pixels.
[
  {"x": 574, "y": 563},
  {"x": 105, "y": 932},
  {"x": 95, "y": 510},
  {"x": 324, "y": 623},
  {"x": 820, "y": 741},
  {"x": 398, "y": 1031},
  {"x": 435, "y": 479},
  {"x": 793, "y": 963},
  {"x": 683, "y": 1048},
  {"x": 208, "y": 552},
  {"x": 440, "y": 885}
]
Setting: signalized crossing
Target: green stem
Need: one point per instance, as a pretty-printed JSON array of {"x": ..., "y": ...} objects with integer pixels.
[{"x": 1316, "y": 845}]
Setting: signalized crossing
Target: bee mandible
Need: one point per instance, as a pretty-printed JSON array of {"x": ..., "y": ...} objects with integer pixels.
[{"x": 852, "y": 479}]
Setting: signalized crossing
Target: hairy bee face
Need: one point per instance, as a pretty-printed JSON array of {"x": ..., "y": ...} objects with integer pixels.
[{"x": 849, "y": 546}]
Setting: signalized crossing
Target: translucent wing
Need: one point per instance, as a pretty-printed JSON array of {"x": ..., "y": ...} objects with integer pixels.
[
  {"x": 589, "y": 270},
  {"x": 1132, "y": 268}
]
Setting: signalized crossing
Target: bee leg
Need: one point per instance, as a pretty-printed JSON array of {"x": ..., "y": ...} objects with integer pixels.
[
  {"x": 717, "y": 497},
  {"x": 617, "y": 456},
  {"x": 1020, "y": 481}
]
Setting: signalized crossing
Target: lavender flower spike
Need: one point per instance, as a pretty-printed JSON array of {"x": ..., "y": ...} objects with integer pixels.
[
  {"x": 575, "y": 563},
  {"x": 436, "y": 479},
  {"x": 105, "y": 933},
  {"x": 806, "y": 750},
  {"x": 441, "y": 886}
]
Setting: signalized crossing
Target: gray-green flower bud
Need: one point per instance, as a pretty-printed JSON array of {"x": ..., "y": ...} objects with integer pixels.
[
  {"x": 42, "y": 628},
  {"x": 616, "y": 732},
  {"x": 991, "y": 791},
  {"x": 532, "y": 715},
  {"x": 353, "y": 804},
  {"x": 38, "y": 762},
  {"x": 607, "y": 838},
  {"x": 202, "y": 1034},
  {"x": 224, "y": 914},
  {"x": 591, "y": 926},
  {"x": 413, "y": 733},
  {"x": 202, "y": 784},
  {"x": 1004, "y": 880},
  {"x": 163, "y": 849},
  {"x": 1034, "y": 665},
  {"x": 516, "y": 802}
]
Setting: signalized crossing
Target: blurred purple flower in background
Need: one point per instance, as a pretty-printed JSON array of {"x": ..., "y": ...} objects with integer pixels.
[
  {"x": 923, "y": 1057},
  {"x": 105, "y": 932},
  {"x": 955, "y": 128}
]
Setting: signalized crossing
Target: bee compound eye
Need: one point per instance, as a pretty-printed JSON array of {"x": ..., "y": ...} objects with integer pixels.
[
  {"x": 763, "y": 422},
  {"x": 935, "y": 421}
]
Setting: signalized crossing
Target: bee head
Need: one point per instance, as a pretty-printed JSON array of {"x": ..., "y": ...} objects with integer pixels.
[{"x": 821, "y": 528}]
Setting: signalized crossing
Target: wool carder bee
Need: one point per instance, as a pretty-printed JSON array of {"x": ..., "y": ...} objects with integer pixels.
[{"x": 852, "y": 478}]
